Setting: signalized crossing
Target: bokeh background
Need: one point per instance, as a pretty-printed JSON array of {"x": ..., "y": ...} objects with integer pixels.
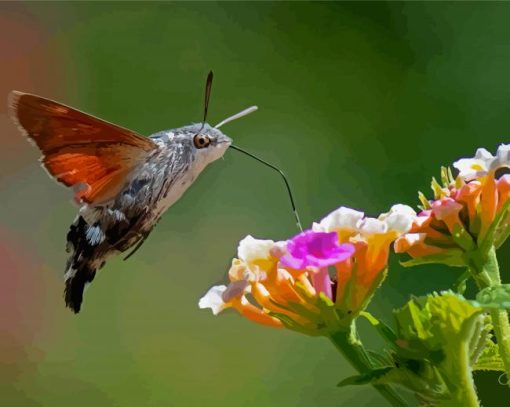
[{"x": 360, "y": 103}]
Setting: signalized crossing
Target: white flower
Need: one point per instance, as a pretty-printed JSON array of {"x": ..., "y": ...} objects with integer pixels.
[
  {"x": 503, "y": 155},
  {"x": 213, "y": 299},
  {"x": 251, "y": 249},
  {"x": 402, "y": 209},
  {"x": 399, "y": 222},
  {"x": 220, "y": 297},
  {"x": 372, "y": 226},
  {"x": 279, "y": 249},
  {"x": 341, "y": 218},
  {"x": 400, "y": 218},
  {"x": 483, "y": 162}
]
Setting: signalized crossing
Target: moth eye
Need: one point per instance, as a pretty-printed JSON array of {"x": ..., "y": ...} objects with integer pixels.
[{"x": 201, "y": 141}]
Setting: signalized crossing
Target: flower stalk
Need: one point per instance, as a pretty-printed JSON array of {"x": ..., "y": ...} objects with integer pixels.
[
  {"x": 350, "y": 346},
  {"x": 487, "y": 275},
  {"x": 465, "y": 392}
]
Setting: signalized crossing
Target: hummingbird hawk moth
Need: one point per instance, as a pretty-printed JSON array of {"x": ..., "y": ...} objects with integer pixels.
[{"x": 123, "y": 182}]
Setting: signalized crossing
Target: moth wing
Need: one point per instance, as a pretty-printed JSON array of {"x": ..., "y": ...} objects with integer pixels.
[{"x": 79, "y": 150}]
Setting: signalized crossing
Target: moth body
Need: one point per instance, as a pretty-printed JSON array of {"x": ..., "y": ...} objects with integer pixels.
[{"x": 113, "y": 227}]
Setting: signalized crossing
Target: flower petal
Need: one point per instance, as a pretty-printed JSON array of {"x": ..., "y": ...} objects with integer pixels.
[
  {"x": 400, "y": 222},
  {"x": 471, "y": 168},
  {"x": 403, "y": 210},
  {"x": 293, "y": 262},
  {"x": 372, "y": 226},
  {"x": 251, "y": 249},
  {"x": 483, "y": 154},
  {"x": 213, "y": 299},
  {"x": 503, "y": 155},
  {"x": 341, "y": 218},
  {"x": 315, "y": 249}
]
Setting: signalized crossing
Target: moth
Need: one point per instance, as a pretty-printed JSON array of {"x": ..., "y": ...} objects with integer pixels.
[{"x": 123, "y": 182}]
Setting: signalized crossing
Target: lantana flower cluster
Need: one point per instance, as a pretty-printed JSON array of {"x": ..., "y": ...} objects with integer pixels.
[
  {"x": 317, "y": 281},
  {"x": 321, "y": 280},
  {"x": 467, "y": 216}
]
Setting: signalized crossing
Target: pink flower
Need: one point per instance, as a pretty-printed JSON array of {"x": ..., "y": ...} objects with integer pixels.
[{"x": 316, "y": 249}]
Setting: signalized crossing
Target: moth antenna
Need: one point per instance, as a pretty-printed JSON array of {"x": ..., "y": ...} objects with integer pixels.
[
  {"x": 207, "y": 98},
  {"x": 243, "y": 113},
  {"x": 208, "y": 87},
  {"x": 296, "y": 215}
]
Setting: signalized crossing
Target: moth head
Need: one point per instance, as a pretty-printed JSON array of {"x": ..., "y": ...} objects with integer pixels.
[{"x": 207, "y": 143}]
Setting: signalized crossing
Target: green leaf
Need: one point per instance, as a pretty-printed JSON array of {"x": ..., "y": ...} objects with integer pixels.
[
  {"x": 384, "y": 330},
  {"x": 460, "y": 284},
  {"x": 433, "y": 388},
  {"x": 289, "y": 323},
  {"x": 300, "y": 309},
  {"x": 436, "y": 320},
  {"x": 494, "y": 229},
  {"x": 302, "y": 291},
  {"x": 451, "y": 257},
  {"x": 497, "y": 297},
  {"x": 328, "y": 311},
  {"x": 439, "y": 336},
  {"x": 380, "y": 359},
  {"x": 480, "y": 339},
  {"x": 502, "y": 232},
  {"x": 374, "y": 376},
  {"x": 463, "y": 238}
]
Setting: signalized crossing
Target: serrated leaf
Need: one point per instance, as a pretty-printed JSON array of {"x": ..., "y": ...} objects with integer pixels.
[
  {"x": 436, "y": 334},
  {"x": 490, "y": 359},
  {"x": 480, "y": 339},
  {"x": 435, "y": 317}
]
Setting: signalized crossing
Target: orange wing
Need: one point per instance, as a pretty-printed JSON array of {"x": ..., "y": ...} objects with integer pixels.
[{"x": 79, "y": 150}]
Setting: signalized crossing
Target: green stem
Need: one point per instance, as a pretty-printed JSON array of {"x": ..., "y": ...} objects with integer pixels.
[
  {"x": 502, "y": 333},
  {"x": 463, "y": 390},
  {"x": 499, "y": 317},
  {"x": 349, "y": 345}
]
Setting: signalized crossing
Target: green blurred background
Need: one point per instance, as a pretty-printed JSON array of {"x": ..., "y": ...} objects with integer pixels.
[{"x": 360, "y": 104}]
